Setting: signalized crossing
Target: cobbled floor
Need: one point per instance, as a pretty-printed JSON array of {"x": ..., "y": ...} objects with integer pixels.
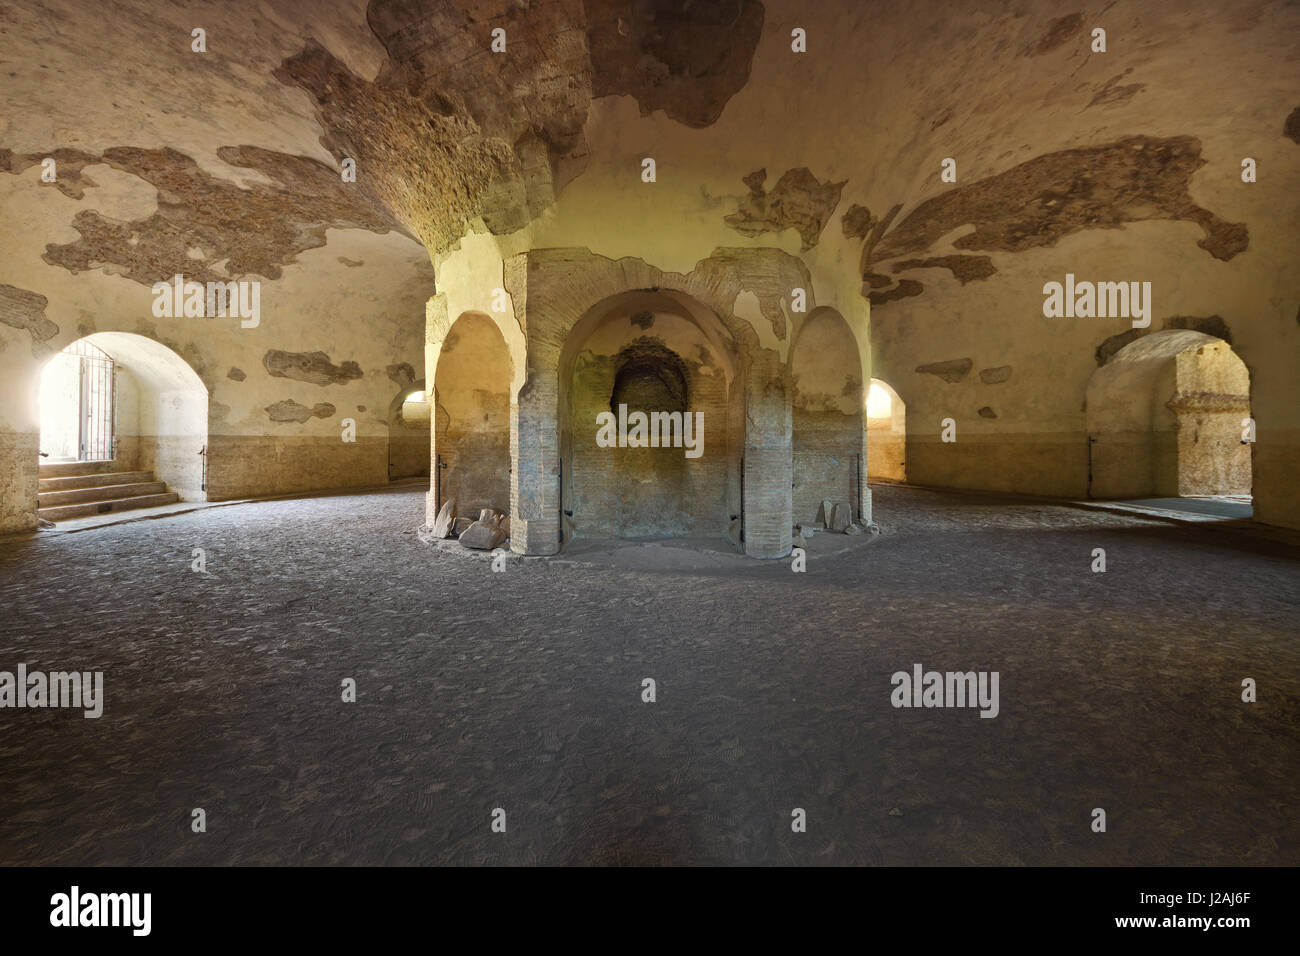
[{"x": 521, "y": 690}]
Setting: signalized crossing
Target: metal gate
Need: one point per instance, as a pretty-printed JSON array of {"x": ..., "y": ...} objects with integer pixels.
[{"x": 96, "y": 439}]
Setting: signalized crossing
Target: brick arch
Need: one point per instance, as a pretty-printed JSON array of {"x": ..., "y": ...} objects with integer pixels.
[
  {"x": 687, "y": 351},
  {"x": 565, "y": 290},
  {"x": 590, "y": 281}
]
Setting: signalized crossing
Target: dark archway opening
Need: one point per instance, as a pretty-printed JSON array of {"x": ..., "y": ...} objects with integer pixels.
[
  {"x": 648, "y": 482},
  {"x": 649, "y": 377},
  {"x": 666, "y": 357}
]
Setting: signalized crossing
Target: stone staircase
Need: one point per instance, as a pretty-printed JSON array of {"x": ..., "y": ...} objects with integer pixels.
[{"x": 81, "y": 489}]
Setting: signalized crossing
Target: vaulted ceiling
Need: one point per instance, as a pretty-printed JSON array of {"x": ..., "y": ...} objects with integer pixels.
[{"x": 227, "y": 161}]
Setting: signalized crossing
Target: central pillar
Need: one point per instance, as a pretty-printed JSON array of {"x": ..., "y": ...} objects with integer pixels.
[
  {"x": 768, "y": 500},
  {"x": 535, "y": 478}
]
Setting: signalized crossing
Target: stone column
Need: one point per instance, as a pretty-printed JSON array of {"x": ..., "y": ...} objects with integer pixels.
[
  {"x": 768, "y": 501},
  {"x": 435, "y": 497},
  {"x": 864, "y": 492},
  {"x": 436, "y": 326},
  {"x": 535, "y": 454}
]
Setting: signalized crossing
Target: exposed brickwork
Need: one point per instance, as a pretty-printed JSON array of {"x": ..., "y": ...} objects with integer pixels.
[
  {"x": 201, "y": 211},
  {"x": 1038, "y": 202},
  {"x": 798, "y": 201},
  {"x": 25, "y": 310},
  {"x": 564, "y": 289},
  {"x": 313, "y": 367}
]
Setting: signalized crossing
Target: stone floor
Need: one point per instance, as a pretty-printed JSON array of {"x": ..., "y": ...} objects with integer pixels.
[{"x": 522, "y": 690}]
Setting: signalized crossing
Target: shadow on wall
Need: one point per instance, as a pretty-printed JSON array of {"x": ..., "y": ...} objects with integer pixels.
[
  {"x": 1167, "y": 417},
  {"x": 127, "y": 403}
]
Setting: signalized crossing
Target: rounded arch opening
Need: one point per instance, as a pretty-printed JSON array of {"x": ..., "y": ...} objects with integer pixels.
[
  {"x": 470, "y": 414},
  {"x": 828, "y": 420},
  {"x": 1168, "y": 416},
  {"x": 651, "y": 415},
  {"x": 410, "y": 415},
  {"x": 886, "y": 433},
  {"x": 649, "y": 376},
  {"x": 116, "y": 403}
]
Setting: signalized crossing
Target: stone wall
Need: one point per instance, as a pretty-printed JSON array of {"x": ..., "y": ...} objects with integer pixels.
[
  {"x": 1211, "y": 403},
  {"x": 1122, "y": 165},
  {"x": 643, "y": 492},
  {"x": 570, "y": 292}
]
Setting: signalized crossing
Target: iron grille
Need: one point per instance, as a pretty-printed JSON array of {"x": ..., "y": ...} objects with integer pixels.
[{"x": 97, "y": 437}]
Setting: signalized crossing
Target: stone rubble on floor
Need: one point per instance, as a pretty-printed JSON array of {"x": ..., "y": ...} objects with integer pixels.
[
  {"x": 445, "y": 522},
  {"x": 841, "y": 518},
  {"x": 491, "y": 530}
]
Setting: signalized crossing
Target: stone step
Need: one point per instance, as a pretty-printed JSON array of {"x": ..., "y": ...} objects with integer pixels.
[
  {"x": 63, "y": 469},
  {"x": 71, "y": 482},
  {"x": 89, "y": 508},
  {"x": 76, "y": 496}
]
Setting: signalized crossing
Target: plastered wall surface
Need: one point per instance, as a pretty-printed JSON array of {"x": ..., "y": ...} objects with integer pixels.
[
  {"x": 773, "y": 171},
  {"x": 273, "y": 418},
  {"x": 152, "y": 182}
]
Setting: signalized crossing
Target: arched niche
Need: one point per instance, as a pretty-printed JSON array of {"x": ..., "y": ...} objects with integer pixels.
[
  {"x": 827, "y": 416},
  {"x": 470, "y": 413},
  {"x": 155, "y": 404},
  {"x": 1166, "y": 416},
  {"x": 665, "y": 355}
]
